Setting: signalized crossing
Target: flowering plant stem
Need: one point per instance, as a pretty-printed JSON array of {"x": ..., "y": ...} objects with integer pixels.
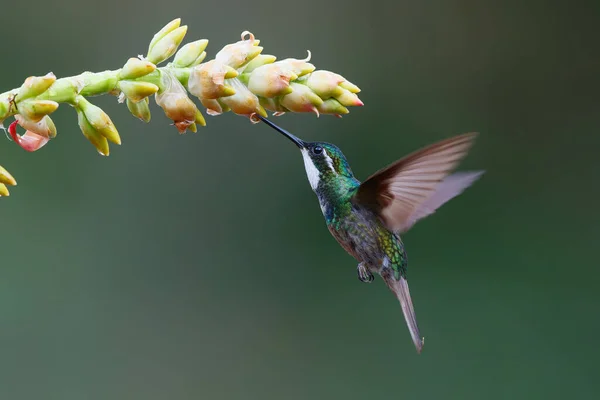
[{"x": 239, "y": 79}]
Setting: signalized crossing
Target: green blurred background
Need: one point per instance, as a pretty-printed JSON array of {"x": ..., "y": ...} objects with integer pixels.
[{"x": 199, "y": 266}]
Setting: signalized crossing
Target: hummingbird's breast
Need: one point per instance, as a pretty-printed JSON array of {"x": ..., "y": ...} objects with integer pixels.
[{"x": 360, "y": 232}]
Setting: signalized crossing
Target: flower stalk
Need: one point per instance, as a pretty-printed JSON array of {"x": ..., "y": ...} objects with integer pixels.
[{"x": 239, "y": 79}]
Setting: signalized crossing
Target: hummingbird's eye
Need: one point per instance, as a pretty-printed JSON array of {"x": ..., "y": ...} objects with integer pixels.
[{"x": 317, "y": 149}]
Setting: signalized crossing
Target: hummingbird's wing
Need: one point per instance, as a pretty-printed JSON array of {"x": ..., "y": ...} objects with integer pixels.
[{"x": 416, "y": 185}]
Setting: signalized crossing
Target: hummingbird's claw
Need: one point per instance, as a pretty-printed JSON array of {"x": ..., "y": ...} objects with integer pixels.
[{"x": 364, "y": 275}]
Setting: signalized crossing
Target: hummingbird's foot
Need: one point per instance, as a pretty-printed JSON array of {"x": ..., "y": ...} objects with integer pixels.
[{"x": 364, "y": 275}]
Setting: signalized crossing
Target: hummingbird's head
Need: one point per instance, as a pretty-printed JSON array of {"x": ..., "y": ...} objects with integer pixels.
[{"x": 323, "y": 161}]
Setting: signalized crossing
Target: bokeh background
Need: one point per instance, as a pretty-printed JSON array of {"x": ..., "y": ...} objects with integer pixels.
[{"x": 199, "y": 266}]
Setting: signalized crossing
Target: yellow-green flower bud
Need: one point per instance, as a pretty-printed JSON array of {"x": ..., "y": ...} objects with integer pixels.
[
  {"x": 302, "y": 99},
  {"x": 240, "y": 53},
  {"x": 325, "y": 84},
  {"x": 140, "y": 109},
  {"x": 136, "y": 68},
  {"x": 258, "y": 61},
  {"x": 298, "y": 67},
  {"x": 176, "y": 103},
  {"x": 99, "y": 120},
  {"x": 243, "y": 102},
  {"x": 168, "y": 28},
  {"x": 167, "y": 46},
  {"x": 35, "y": 110},
  {"x": 207, "y": 80},
  {"x": 200, "y": 118},
  {"x": 332, "y": 106},
  {"x": 190, "y": 53},
  {"x": 213, "y": 106},
  {"x": 347, "y": 98},
  {"x": 35, "y": 85},
  {"x": 92, "y": 134},
  {"x": 350, "y": 86},
  {"x": 271, "y": 80},
  {"x": 137, "y": 90},
  {"x": 4, "y": 108},
  {"x": 6, "y": 178},
  {"x": 272, "y": 104},
  {"x": 45, "y": 127},
  {"x": 4, "y": 191},
  {"x": 199, "y": 60}
]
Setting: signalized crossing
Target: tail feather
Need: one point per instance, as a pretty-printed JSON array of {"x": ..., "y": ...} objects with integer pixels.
[{"x": 400, "y": 289}]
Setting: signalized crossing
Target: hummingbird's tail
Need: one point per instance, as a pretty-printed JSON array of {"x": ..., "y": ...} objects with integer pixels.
[{"x": 400, "y": 288}]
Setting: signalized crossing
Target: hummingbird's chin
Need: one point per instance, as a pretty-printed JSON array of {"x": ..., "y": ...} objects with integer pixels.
[{"x": 311, "y": 171}]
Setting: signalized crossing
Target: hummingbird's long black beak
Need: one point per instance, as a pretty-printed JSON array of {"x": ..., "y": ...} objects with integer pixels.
[{"x": 299, "y": 142}]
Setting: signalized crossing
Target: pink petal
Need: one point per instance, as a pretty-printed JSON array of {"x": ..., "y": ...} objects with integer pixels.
[{"x": 29, "y": 141}]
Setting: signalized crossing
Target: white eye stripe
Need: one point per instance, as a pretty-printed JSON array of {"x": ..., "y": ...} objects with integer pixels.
[{"x": 329, "y": 161}]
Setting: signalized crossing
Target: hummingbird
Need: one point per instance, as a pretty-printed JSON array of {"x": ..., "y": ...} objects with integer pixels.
[{"x": 368, "y": 218}]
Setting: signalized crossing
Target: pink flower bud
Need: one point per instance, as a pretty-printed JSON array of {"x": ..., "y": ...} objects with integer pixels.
[
  {"x": 302, "y": 99},
  {"x": 243, "y": 102},
  {"x": 240, "y": 53},
  {"x": 176, "y": 103},
  {"x": 271, "y": 80},
  {"x": 29, "y": 141},
  {"x": 207, "y": 80},
  {"x": 325, "y": 84}
]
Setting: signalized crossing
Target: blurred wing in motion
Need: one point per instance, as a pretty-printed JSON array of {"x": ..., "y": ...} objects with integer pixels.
[{"x": 416, "y": 185}]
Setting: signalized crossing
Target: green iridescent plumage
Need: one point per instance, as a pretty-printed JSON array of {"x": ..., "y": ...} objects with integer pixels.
[{"x": 367, "y": 218}]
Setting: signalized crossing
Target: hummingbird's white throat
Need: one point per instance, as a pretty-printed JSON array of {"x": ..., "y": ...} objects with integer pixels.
[{"x": 311, "y": 171}]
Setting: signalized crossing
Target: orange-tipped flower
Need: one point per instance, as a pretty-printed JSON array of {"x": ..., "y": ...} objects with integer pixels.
[
  {"x": 243, "y": 102},
  {"x": 176, "y": 103}
]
